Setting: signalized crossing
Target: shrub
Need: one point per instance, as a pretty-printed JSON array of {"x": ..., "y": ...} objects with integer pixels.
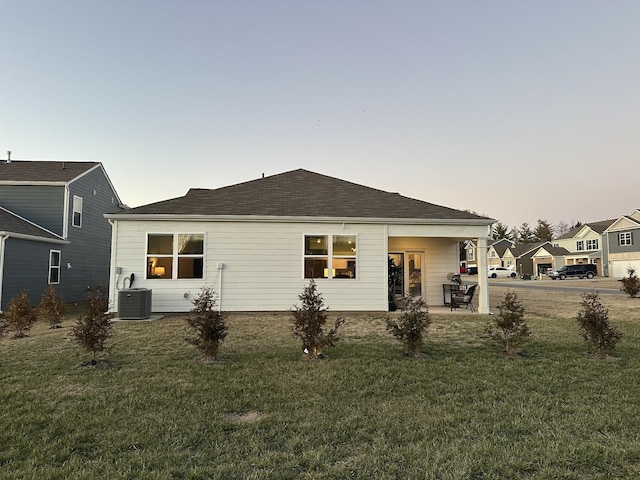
[
  {"x": 631, "y": 283},
  {"x": 206, "y": 324},
  {"x": 20, "y": 316},
  {"x": 308, "y": 321},
  {"x": 409, "y": 327},
  {"x": 509, "y": 328},
  {"x": 4, "y": 328},
  {"x": 93, "y": 327},
  {"x": 595, "y": 328},
  {"x": 52, "y": 307}
]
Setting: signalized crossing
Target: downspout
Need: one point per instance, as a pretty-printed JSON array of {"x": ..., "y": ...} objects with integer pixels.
[
  {"x": 3, "y": 239},
  {"x": 220, "y": 269},
  {"x": 112, "y": 266}
]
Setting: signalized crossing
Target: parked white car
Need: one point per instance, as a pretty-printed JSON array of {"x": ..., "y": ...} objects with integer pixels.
[{"x": 501, "y": 272}]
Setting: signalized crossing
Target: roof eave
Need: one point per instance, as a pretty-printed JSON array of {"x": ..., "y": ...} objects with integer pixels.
[{"x": 299, "y": 219}]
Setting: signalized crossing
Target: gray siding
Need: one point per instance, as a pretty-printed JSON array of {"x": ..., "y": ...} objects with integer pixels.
[
  {"x": 26, "y": 268},
  {"x": 613, "y": 241},
  {"x": 40, "y": 204},
  {"x": 89, "y": 252}
]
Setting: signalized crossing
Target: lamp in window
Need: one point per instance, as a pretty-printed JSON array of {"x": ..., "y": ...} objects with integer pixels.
[{"x": 159, "y": 271}]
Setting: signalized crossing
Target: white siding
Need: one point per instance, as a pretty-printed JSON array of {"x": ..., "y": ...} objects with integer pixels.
[{"x": 263, "y": 265}]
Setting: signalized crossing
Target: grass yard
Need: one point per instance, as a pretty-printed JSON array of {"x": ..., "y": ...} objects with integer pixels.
[{"x": 157, "y": 411}]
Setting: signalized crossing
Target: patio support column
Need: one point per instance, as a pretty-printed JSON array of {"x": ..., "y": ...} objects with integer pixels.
[{"x": 483, "y": 282}]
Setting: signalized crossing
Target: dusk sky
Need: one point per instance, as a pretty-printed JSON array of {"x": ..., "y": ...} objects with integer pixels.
[{"x": 517, "y": 110}]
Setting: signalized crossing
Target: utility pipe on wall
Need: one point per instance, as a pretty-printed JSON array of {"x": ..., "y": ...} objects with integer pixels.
[{"x": 220, "y": 268}]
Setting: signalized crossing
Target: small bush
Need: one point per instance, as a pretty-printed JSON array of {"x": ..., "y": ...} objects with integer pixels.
[
  {"x": 595, "y": 328},
  {"x": 20, "y": 316},
  {"x": 509, "y": 328},
  {"x": 308, "y": 321},
  {"x": 206, "y": 324},
  {"x": 93, "y": 327},
  {"x": 409, "y": 327},
  {"x": 631, "y": 283},
  {"x": 52, "y": 307},
  {"x": 4, "y": 328}
]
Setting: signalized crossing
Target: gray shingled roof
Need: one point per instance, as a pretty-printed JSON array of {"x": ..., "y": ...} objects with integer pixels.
[
  {"x": 599, "y": 227},
  {"x": 10, "y": 223},
  {"x": 301, "y": 193},
  {"x": 42, "y": 171}
]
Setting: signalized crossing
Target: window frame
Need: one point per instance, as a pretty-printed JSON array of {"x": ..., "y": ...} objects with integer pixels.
[
  {"x": 580, "y": 245},
  {"x": 52, "y": 267},
  {"x": 330, "y": 258},
  {"x": 77, "y": 208},
  {"x": 592, "y": 244},
  {"x": 625, "y": 239},
  {"x": 175, "y": 256}
]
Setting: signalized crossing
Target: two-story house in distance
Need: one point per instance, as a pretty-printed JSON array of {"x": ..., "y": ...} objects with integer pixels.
[{"x": 53, "y": 229}]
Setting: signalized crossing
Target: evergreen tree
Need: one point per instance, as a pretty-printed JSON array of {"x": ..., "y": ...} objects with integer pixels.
[
  {"x": 525, "y": 234},
  {"x": 500, "y": 230},
  {"x": 543, "y": 231}
]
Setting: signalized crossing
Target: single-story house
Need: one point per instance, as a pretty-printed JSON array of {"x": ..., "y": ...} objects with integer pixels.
[
  {"x": 258, "y": 243},
  {"x": 548, "y": 257}
]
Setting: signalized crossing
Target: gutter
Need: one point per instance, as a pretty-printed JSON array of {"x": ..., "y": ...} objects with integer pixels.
[{"x": 298, "y": 219}]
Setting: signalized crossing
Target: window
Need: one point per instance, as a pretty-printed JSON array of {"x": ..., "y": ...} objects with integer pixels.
[
  {"x": 471, "y": 254},
  {"x": 592, "y": 244},
  {"x": 54, "y": 266},
  {"x": 625, "y": 238},
  {"x": 166, "y": 251},
  {"x": 330, "y": 256},
  {"x": 580, "y": 245},
  {"x": 77, "y": 211}
]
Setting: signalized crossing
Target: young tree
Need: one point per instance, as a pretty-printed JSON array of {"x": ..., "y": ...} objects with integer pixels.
[
  {"x": 500, "y": 230},
  {"x": 595, "y": 328},
  {"x": 561, "y": 228},
  {"x": 525, "y": 235},
  {"x": 631, "y": 283},
  {"x": 93, "y": 327},
  {"x": 308, "y": 321},
  {"x": 409, "y": 327},
  {"x": 543, "y": 231},
  {"x": 20, "y": 316},
  {"x": 206, "y": 324},
  {"x": 509, "y": 328},
  {"x": 52, "y": 307}
]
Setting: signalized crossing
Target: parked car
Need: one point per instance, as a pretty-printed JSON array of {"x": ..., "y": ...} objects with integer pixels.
[
  {"x": 582, "y": 270},
  {"x": 472, "y": 270},
  {"x": 501, "y": 272},
  {"x": 463, "y": 269}
]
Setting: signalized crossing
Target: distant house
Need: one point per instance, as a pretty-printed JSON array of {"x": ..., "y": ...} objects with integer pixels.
[
  {"x": 622, "y": 244},
  {"x": 52, "y": 228},
  {"x": 584, "y": 244},
  {"x": 548, "y": 257},
  {"x": 496, "y": 252},
  {"x": 258, "y": 243},
  {"x": 521, "y": 255}
]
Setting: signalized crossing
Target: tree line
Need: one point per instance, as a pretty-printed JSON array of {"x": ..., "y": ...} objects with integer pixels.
[{"x": 544, "y": 231}]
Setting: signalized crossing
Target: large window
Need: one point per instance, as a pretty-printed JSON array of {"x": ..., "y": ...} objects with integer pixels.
[
  {"x": 592, "y": 244},
  {"x": 580, "y": 245},
  {"x": 330, "y": 256},
  {"x": 625, "y": 238},
  {"x": 54, "y": 266},
  {"x": 175, "y": 255},
  {"x": 77, "y": 211}
]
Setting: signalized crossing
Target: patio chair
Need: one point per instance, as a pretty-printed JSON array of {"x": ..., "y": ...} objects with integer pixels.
[{"x": 464, "y": 299}]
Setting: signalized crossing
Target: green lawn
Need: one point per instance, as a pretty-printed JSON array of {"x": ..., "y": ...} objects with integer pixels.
[{"x": 159, "y": 411}]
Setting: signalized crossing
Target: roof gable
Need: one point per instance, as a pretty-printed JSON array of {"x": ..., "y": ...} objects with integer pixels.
[
  {"x": 301, "y": 193},
  {"x": 624, "y": 223}
]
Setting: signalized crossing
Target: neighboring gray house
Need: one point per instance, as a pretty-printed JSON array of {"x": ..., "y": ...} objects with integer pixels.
[
  {"x": 52, "y": 228},
  {"x": 621, "y": 245},
  {"x": 258, "y": 243}
]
